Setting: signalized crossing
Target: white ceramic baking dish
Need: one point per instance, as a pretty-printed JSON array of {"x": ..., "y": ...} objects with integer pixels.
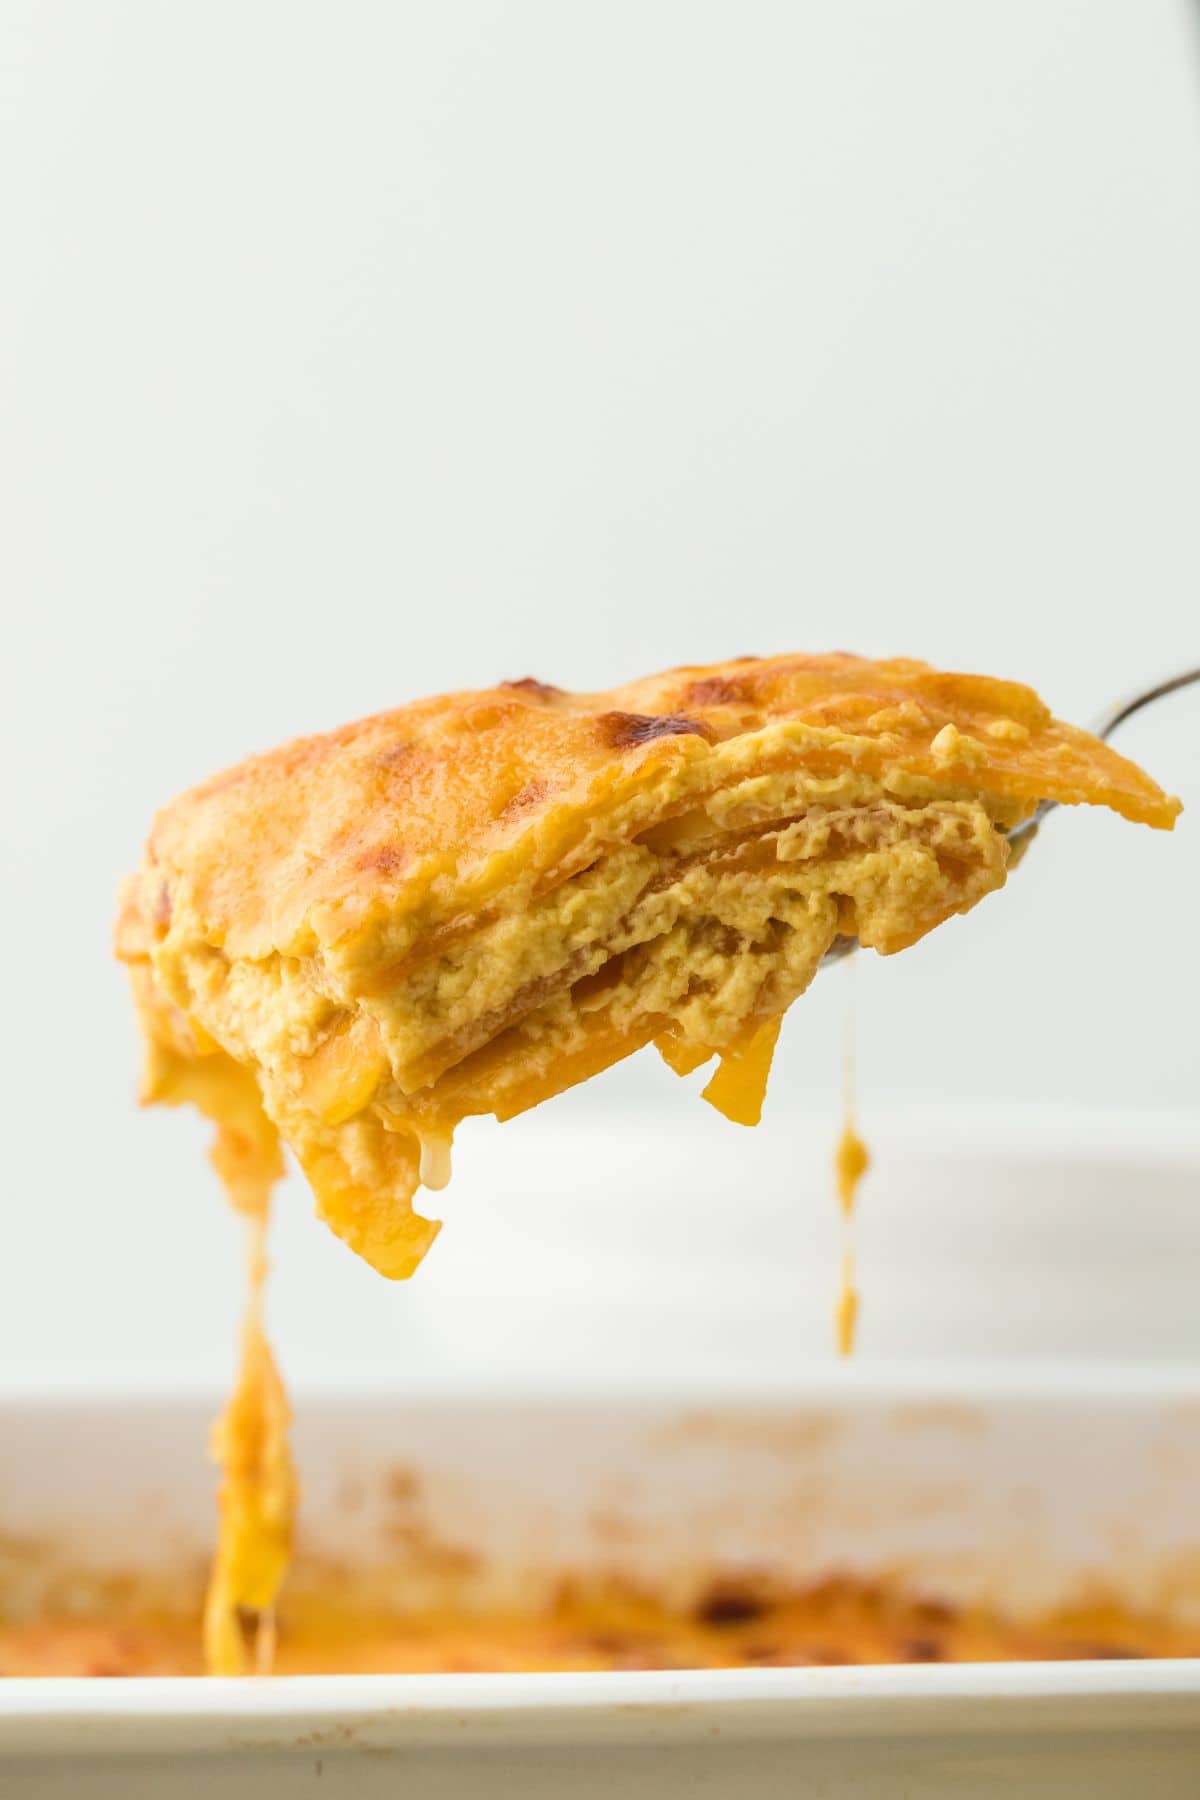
[{"x": 1027, "y": 1494}]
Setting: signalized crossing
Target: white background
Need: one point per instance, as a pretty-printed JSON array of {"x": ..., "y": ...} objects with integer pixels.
[{"x": 353, "y": 351}]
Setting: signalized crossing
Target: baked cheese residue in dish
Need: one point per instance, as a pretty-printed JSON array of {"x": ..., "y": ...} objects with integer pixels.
[
  {"x": 731, "y": 1624},
  {"x": 473, "y": 902}
]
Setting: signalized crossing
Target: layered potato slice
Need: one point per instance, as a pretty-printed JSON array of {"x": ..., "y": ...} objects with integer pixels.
[{"x": 471, "y": 903}]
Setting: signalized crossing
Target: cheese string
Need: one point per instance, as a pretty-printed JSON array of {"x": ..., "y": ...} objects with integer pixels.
[{"x": 256, "y": 1497}]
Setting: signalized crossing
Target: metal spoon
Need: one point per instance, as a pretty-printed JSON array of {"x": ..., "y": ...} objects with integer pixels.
[{"x": 1022, "y": 835}]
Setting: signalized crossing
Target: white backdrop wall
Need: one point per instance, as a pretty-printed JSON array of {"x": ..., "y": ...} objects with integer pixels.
[{"x": 352, "y": 351}]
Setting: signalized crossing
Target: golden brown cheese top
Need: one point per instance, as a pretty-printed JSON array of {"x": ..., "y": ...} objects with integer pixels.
[{"x": 425, "y": 808}]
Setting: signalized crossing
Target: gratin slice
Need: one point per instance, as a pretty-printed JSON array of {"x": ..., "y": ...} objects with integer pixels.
[{"x": 471, "y": 903}]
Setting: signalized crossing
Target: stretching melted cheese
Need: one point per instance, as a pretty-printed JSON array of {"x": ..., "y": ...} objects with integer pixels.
[
  {"x": 257, "y": 1494},
  {"x": 256, "y": 1500},
  {"x": 471, "y": 903}
]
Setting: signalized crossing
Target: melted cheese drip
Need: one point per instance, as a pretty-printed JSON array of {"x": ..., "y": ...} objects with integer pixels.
[
  {"x": 435, "y": 1160},
  {"x": 852, "y": 1159},
  {"x": 851, "y": 1162},
  {"x": 257, "y": 1495}
]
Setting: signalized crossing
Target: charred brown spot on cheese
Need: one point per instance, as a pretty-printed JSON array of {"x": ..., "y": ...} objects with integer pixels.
[
  {"x": 718, "y": 690},
  {"x": 727, "y": 1604},
  {"x": 524, "y": 798},
  {"x": 537, "y": 690},
  {"x": 623, "y": 731}
]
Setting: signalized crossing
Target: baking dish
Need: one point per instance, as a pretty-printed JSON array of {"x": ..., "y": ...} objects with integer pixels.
[
  {"x": 1071, "y": 1240},
  {"x": 1024, "y": 1491}
]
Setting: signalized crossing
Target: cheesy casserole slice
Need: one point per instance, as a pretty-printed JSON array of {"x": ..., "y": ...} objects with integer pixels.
[
  {"x": 468, "y": 904},
  {"x": 471, "y": 903}
]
